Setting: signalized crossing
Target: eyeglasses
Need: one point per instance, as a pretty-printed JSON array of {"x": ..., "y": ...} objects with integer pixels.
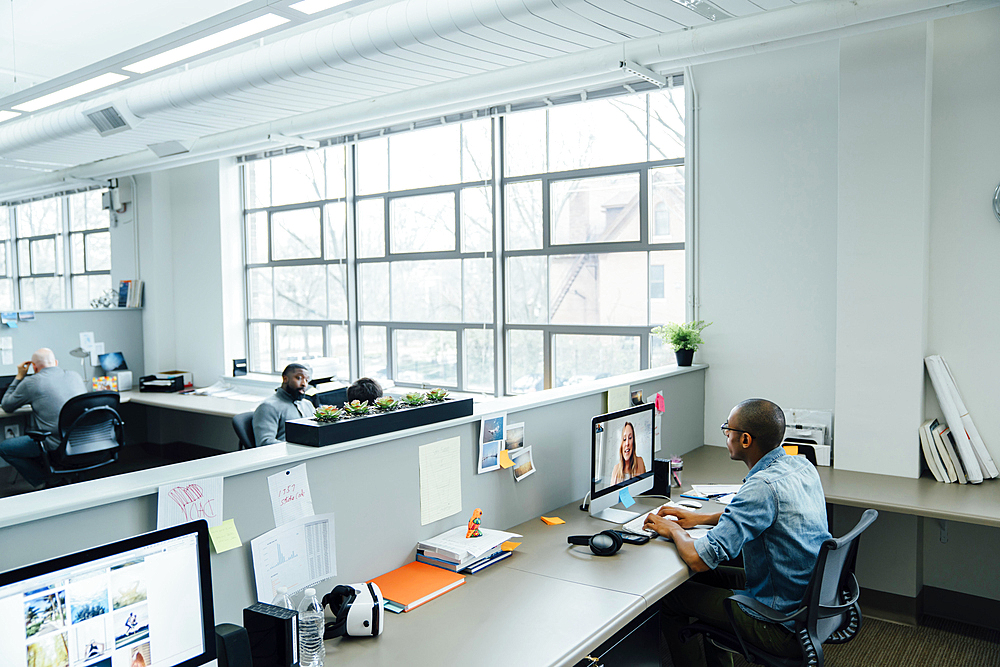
[{"x": 725, "y": 430}]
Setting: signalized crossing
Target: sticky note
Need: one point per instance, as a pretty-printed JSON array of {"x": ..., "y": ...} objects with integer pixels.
[
  {"x": 552, "y": 520},
  {"x": 509, "y": 546},
  {"x": 504, "y": 459},
  {"x": 791, "y": 450},
  {"x": 224, "y": 536},
  {"x": 625, "y": 498},
  {"x": 661, "y": 404}
]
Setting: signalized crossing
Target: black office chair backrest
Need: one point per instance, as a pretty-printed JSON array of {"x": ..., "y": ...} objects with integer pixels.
[
  {"x": 243, "y": 425},
  {"x": 89, "y": 426}
]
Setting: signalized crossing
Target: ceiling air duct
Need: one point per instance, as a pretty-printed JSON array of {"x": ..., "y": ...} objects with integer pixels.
[{"x": 111, "y": 118}]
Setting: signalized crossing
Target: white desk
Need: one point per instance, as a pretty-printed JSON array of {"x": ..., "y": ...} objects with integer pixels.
[{"x": 206, "y": 405}]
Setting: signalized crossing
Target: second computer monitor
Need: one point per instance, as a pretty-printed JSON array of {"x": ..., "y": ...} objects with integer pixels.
[{"x": 621, "y": 457}]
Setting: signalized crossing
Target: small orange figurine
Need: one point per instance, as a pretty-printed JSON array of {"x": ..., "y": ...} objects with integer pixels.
[{"x": 474, "y": 525}]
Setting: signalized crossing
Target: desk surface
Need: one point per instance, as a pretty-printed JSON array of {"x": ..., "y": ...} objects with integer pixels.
[
  {"x": 968, "y": 503},
  {"x": 207, "y": 405},
  {"x": 548, "y": 604}
]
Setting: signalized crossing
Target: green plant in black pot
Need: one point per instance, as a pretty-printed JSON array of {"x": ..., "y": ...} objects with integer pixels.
[
  {"x": 684, "y": 338},
  {"x": 327, "y": 414}
]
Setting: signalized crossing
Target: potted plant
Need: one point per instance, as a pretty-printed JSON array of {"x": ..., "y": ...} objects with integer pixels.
[{"x": 684, "y": 338}]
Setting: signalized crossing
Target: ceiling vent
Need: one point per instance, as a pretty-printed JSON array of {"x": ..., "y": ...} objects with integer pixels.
[{"x": 111, "y": 118}]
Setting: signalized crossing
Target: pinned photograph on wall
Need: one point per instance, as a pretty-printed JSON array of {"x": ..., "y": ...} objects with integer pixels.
[
  {"x": 492, "y": 428},
  {"x": 523, "y": 465},
  {"x": 515, "y": 436},
  {"x": 489, "y": 453},
  {"x": 636, "y": 397}
]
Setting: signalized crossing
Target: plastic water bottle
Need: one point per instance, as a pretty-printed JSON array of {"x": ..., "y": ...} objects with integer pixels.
[
  {"x": 311, "y": 647},
  {"x": 282, "y": 599}
]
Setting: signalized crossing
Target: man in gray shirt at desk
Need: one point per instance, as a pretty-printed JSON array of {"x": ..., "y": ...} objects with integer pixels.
[
  {"x": 288, "y": 402},
  {"x": 46, "y": 391}
]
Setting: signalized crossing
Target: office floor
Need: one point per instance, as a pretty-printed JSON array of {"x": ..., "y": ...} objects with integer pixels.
[
  {"x": 934, "y": 642},
  {"x": 132, "y": 458}
]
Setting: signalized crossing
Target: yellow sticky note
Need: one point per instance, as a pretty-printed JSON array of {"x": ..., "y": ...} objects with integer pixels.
[
  {"x": 504, "y": 459},
  {"x": 509, "y": 546},
  {"x": 224, "y": 536},
  {"x": 552, "y": 520}
]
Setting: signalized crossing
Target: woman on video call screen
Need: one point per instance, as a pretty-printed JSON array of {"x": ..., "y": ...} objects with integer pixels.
[{"x": 630, "y": 446}]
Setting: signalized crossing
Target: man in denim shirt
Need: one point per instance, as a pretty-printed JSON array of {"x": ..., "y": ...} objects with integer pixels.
[{"x": 777, "y": 520}]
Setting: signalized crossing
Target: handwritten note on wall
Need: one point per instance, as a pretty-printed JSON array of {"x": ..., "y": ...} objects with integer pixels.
[
  {"x": 187, "y": 501},
  {"x": 290, "y": 495}
]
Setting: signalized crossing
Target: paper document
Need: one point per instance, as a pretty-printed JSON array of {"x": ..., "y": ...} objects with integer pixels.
[
  {"x": 619, "y": 398},
  {"x": 298, "y": 554},
  {"x": 290, "y": 495},
  {"x": 180, "y": 503},
  {"x": 440, "y": 480},
  {"x": 708, "y": 490},
  {"x": 455, "y": 542}
]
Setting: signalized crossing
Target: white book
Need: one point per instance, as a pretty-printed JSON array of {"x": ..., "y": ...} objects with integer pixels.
[
  {"x": 952, "y": 463},
  {"x": 931, "y": 455},
  {"x": 978, "y": 446},
  {"x": 946, "y": 398}
]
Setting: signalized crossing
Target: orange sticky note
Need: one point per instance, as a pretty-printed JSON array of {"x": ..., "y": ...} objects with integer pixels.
[
  {"x": 791, "y": 450},
  {"x": 504, "y": 459},
  {"x": 509, "y": 546},
  {"x": 552, "y": 520}
]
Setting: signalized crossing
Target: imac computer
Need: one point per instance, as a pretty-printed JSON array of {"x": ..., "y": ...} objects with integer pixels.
[
  {"x": 142, "y": 602},
  {"x": 622, "y": 457}
]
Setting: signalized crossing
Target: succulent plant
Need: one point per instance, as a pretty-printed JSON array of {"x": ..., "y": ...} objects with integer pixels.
[
  {"x": 357, "y": 408},
  {"x": 327, "y": 414},
  {"x": 414, "y": 398},
  {"x": 436, "y": 395},
  {"x": 386, "y": 403}
]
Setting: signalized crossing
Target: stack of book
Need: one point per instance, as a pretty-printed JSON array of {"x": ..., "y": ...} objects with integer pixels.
[
  {"x": 453, "y": 551},
  {"x": 467, "y": 565},
  {"x": 130, "y": 294}
]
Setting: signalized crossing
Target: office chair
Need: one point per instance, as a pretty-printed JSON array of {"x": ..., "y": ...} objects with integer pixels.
[
  {"x": 829, "y": 612},
  {"x": 90, "y": 433},
  {"x": 243, "y": 425}
]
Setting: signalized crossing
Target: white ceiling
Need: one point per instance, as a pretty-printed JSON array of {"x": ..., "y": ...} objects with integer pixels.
[{"x": 361, "y": 51}]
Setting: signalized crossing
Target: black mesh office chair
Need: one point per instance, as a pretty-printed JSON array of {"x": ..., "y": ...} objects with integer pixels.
[
  {"x": 829, "y": 613},
  {"x": 243, "y": 425},
  {"x": 90, "y": 434}
]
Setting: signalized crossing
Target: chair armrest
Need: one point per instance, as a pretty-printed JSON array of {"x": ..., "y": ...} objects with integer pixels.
[{"x": 38, "y": 436}]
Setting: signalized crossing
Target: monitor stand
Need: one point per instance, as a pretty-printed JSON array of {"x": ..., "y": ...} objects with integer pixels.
[{"x": 615, "y": 516}]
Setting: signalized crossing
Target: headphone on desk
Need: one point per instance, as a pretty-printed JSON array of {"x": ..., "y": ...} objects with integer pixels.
[{"x": 604, "y": 543}]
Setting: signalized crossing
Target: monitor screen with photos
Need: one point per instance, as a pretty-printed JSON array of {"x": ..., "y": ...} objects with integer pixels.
[
  {"x": 142, "y": 602},
  {"x": 622, "y": 449}
]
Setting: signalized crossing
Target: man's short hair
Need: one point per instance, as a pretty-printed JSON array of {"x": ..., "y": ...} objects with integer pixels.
[
  {"x": 294, "y": 366},
  {"x": 764, "y": 420},
  {"x": 364, "y": 389}
]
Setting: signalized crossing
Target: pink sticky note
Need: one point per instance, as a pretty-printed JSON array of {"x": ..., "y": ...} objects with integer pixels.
[{"x": 661, "y": 405}]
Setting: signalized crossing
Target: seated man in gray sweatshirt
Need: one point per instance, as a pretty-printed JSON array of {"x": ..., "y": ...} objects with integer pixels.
[
  {"x": 46, "y": 391},
  {"x": 288, "y": 402}
]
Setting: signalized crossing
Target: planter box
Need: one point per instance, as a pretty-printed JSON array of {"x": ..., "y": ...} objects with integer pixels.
[{"x": 318, "y": 434}]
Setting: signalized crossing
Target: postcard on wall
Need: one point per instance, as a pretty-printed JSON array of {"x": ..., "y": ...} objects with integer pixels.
[
  {"x": 489, "y": 456},
  {"x": 492, "y": 428},
  {"x": 290, "y": 495},
  {"x": 187, "y": 501},
  {"x": 523, "y": 465},
  {"x": 515, "y": 436}
]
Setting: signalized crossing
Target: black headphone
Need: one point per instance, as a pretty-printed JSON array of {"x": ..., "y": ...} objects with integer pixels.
[{"x": 605, "y": 543}]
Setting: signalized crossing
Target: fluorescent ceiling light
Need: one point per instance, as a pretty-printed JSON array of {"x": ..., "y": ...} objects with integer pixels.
[
  {"x": 68, "y": 93},
  {"x": 205, "y": 44},
  {"x": 7, "y": 115},
  {"x": 314, "y": 6}
]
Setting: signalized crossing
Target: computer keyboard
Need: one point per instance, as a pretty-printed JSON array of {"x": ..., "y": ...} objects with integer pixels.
[{"x": 635, "y": 525}]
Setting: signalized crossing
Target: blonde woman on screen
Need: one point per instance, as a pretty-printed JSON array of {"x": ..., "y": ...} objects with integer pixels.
[{"x": 629, "y": 463}]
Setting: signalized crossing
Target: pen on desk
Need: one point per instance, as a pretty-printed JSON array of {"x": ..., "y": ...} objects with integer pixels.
[{"x": 693, "y": 496}]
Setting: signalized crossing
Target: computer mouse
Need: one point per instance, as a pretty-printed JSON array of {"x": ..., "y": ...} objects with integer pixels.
[{"x": 690, "y": 504}]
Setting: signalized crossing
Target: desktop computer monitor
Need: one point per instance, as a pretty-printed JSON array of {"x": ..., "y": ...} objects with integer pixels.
[
  {"x": 142, "y": 602},
  {"x": 621, "y": 457}
]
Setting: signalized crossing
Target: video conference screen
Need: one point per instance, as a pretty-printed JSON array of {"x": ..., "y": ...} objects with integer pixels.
[
  {"x": 625, "y": 449},
  {"x": 137, "y": 608}
]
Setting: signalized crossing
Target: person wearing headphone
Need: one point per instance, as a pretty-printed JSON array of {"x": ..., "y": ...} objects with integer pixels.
[
  {"x": 777, "y": 521},
  {"x": 629, "y": 463}
]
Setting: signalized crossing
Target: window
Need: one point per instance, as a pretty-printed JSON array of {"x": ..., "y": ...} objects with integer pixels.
[
  {"x": 55, "y": 253},
  {"x": 395, "y": 272}
]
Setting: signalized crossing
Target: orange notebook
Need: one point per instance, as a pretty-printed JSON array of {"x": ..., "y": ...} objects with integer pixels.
[{"x": 416, "y": 583}]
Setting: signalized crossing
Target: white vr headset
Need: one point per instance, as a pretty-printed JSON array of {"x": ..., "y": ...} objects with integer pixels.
[{"x": 357, "y": 611}]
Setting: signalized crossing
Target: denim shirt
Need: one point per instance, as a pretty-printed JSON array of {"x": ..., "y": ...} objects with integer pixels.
[{"x": 778, "y": 520}]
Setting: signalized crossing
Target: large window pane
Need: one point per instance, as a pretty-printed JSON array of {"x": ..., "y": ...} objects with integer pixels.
[
  {"x": 295, "y": 234},
  {"x": 660, "y": 354},
  {"x": 98, "y": 251},
  {"x": 527, "y": 290},
  {"x": 338, "y": 354},
  {"x": 41, "y": 293},
  {"x": 597, "y": 134},
  {"x": 666, "y": 124},
  {"x": 478, "y": 363},
  {"x": 300, "y": 292},
  {"x": 524, "y": 215},
  {"x": 670, "y": 307},
  {"x": 86, "y": 212},
  {"x": 477, "y": 154},
  {"x": 77, "y": 254},
  {"x": 336, "y": 172},
  {"x": 86, "y": 288},
  {"x": 422, "y": 224},
  {"x": 524, "y": 143},
  {"x": 595, "y": 210},
  {"x": 477, "y": 219},
  {"x": 371, "y": 227},
  {"x": 43, "y": 256},
  {"x": 426, "y": 291},
  {"x": 257, "y": 185},
  {"x": 374, "y": 301},
  {"x": 297, "y": 178},
  {"x": 428, "y": 357},
  {"x": 260, "y": 347},
  {"x": 525, "y": 361},
  {"x": 666, "y": 205},
  {"x": 257, "y": 237},
  {"x": 424, "y": 158},
  {"x": 580, "y": 358},
  {"x": 373, "y": 165},
  {"x": 297, "y": 343},
  {"x": 374, "y": 356},
  {"x": 261, "y": 293},
  {"x": 7, "y": 294},
  {"x": 336, "y": 291},
  {"x": 606, "y": 289},
  {"x": 335, "y": 239},
  {"x": 477, "y": 290},
  {"x": 39, "y": 217}
]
